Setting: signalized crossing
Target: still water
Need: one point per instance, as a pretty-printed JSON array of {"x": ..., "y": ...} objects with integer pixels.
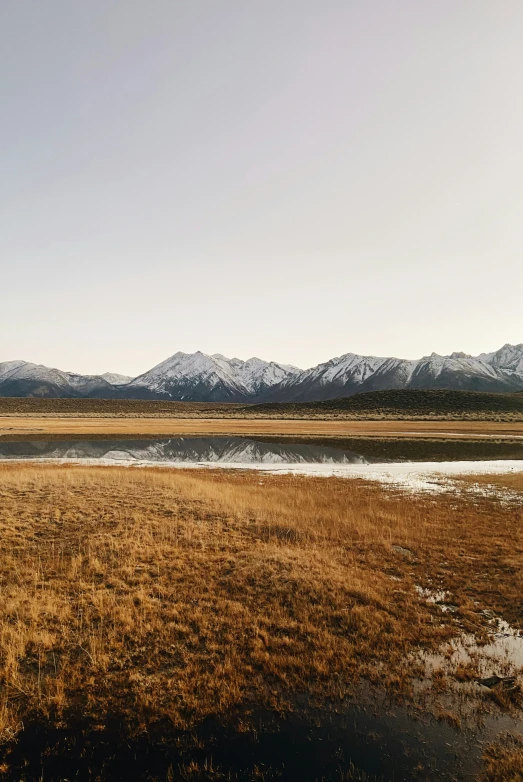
[{"x": 265, "y": 451}]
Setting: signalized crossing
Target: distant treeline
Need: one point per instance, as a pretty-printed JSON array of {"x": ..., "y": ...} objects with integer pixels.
[{"x": 406, "y": 401}]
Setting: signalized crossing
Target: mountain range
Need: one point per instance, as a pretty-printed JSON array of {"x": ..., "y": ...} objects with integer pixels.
[{"x": 199, "y": 377}]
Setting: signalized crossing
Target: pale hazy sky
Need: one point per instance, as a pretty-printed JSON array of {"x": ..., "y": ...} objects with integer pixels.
[{"x": 293, "y": 179}]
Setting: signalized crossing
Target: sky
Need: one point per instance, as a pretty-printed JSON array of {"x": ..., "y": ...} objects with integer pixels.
[{"x": 292, "y": 179}]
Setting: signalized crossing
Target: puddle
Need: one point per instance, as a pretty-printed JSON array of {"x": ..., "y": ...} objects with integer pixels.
[
  {"x": 367, "y": 737},
  {"x": 437, "y": 597},
  {"x": 474, "y": 666}
]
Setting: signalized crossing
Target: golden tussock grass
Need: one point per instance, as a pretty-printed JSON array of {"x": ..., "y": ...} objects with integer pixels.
[
  {"x": 178, "y": 594},
  {"x": 512, "y": 481},
  {"x": 64, "y": 425},
  {"x": 503, "y": 760}
]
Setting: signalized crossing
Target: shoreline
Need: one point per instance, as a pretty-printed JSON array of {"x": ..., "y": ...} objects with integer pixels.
[{"x": 413, "y": 477}]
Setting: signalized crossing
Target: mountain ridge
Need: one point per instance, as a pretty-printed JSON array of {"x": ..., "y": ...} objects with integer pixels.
[{"x": 200, "y": 377}]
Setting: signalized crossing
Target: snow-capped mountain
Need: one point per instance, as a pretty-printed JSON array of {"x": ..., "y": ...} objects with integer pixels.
[
  {"x": 460, "y": 371},
  {"x": 508, "y": 358},
  {"x": 351, "y": 373},
  {"x": 199, "y": 377},
  {"x": 21, "y": 378},
  {"x": 257, "y": 375},
  {"x": 342, "y": 376}
]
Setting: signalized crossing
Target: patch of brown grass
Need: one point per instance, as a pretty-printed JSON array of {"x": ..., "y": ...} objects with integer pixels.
[
  {"x": 503, "y": 760},
  {"x": 512, "y": 481},
  {"x": 178, "y": 594}
]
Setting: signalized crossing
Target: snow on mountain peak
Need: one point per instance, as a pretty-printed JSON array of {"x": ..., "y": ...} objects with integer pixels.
[
  {"x": 233, "y": 375},
  {"x": 8, "y": 367},
  {"x": 116, "y": 379},
  {"x": 508, "y": 358}
]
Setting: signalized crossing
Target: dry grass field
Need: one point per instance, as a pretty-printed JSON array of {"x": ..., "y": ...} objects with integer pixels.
[
  {"x": 161, "y": 427},
  {"x": 146, "y": 598}
]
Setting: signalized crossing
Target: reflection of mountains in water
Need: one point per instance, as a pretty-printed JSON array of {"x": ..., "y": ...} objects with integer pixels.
[{"x": 182, "y": 449}]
